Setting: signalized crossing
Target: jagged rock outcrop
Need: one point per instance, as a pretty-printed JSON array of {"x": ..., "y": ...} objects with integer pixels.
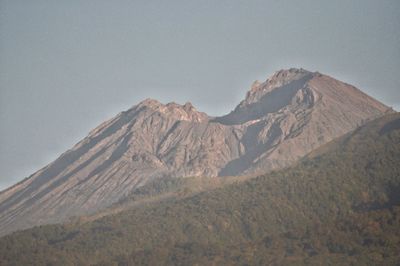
[{"x": 280, "y": 120}]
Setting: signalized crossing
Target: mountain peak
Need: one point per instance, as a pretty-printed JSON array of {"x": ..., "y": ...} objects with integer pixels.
[
  {"x": 278, "y": 79},
  {"x": 285, "y": 76},
  {"x": 281, "y": 120},
  {"x": 288, "y": 90},
  {"x": 150, "y": 103},
  {"x": 291, "y": 71},
  {"x": 174, "y": 110}
]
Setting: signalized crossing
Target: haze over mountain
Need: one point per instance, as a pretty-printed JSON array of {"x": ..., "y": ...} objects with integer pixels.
[
  {"x": 280, "y": 120},
  {"x": 340, "y": 205}
]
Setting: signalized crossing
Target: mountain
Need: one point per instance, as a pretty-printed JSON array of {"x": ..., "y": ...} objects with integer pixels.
[
  {"x": 339, "y": 205},
  {"x": 280, "y": 120}
]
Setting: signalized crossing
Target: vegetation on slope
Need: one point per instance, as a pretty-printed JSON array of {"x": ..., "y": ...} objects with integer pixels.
[{"x": 341, "y": 205}]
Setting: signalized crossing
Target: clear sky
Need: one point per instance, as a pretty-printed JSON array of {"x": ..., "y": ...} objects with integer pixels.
[{"x": 66, "y": 66}]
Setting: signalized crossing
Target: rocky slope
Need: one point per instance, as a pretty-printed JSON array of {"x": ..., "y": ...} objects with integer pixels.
[
  {"x": 280, "y": 120},
  {"x": 339, "y": 205}
]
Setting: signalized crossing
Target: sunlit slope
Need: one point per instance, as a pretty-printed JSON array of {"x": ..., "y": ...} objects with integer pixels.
[
  {"x": 280, "y": 120},
  {"x": 341, "y": 205}
]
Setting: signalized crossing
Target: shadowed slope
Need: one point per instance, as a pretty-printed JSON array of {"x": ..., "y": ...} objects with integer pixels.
[
  {"x": 279, "y": 121},
  {"x": 339, "y": 206}
]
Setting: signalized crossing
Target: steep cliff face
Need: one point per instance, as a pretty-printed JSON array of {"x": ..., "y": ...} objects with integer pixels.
[{"x": 281, "y": 120}]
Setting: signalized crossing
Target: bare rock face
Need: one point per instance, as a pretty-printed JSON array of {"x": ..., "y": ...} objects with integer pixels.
[{"x": 281, "y": 120}]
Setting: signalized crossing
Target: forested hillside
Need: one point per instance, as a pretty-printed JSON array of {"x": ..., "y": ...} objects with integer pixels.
[{"x": 340, "y": 205}]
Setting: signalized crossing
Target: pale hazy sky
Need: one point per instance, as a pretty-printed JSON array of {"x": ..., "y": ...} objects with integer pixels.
[{"x": 66, "y": 66}]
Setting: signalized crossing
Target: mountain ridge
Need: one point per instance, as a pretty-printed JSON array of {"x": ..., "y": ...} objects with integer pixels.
[
  {"x": 338, "y": 206},
  {"x": 279, "y": 121}
]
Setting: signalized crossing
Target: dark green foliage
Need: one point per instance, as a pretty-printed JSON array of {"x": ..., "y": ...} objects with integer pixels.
[{"x": 339, "y": 206}]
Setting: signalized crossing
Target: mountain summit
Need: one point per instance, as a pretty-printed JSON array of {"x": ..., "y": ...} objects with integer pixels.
[{"x": 279, "y": 121}]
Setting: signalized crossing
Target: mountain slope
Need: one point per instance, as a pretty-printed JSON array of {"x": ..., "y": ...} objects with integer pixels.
[
  {"x": 339, "y": 206},
  {"x": 281, "y": 120}
]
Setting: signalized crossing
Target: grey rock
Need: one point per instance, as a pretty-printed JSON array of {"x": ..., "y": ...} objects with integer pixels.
[{"x": 279, "y": 121}]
